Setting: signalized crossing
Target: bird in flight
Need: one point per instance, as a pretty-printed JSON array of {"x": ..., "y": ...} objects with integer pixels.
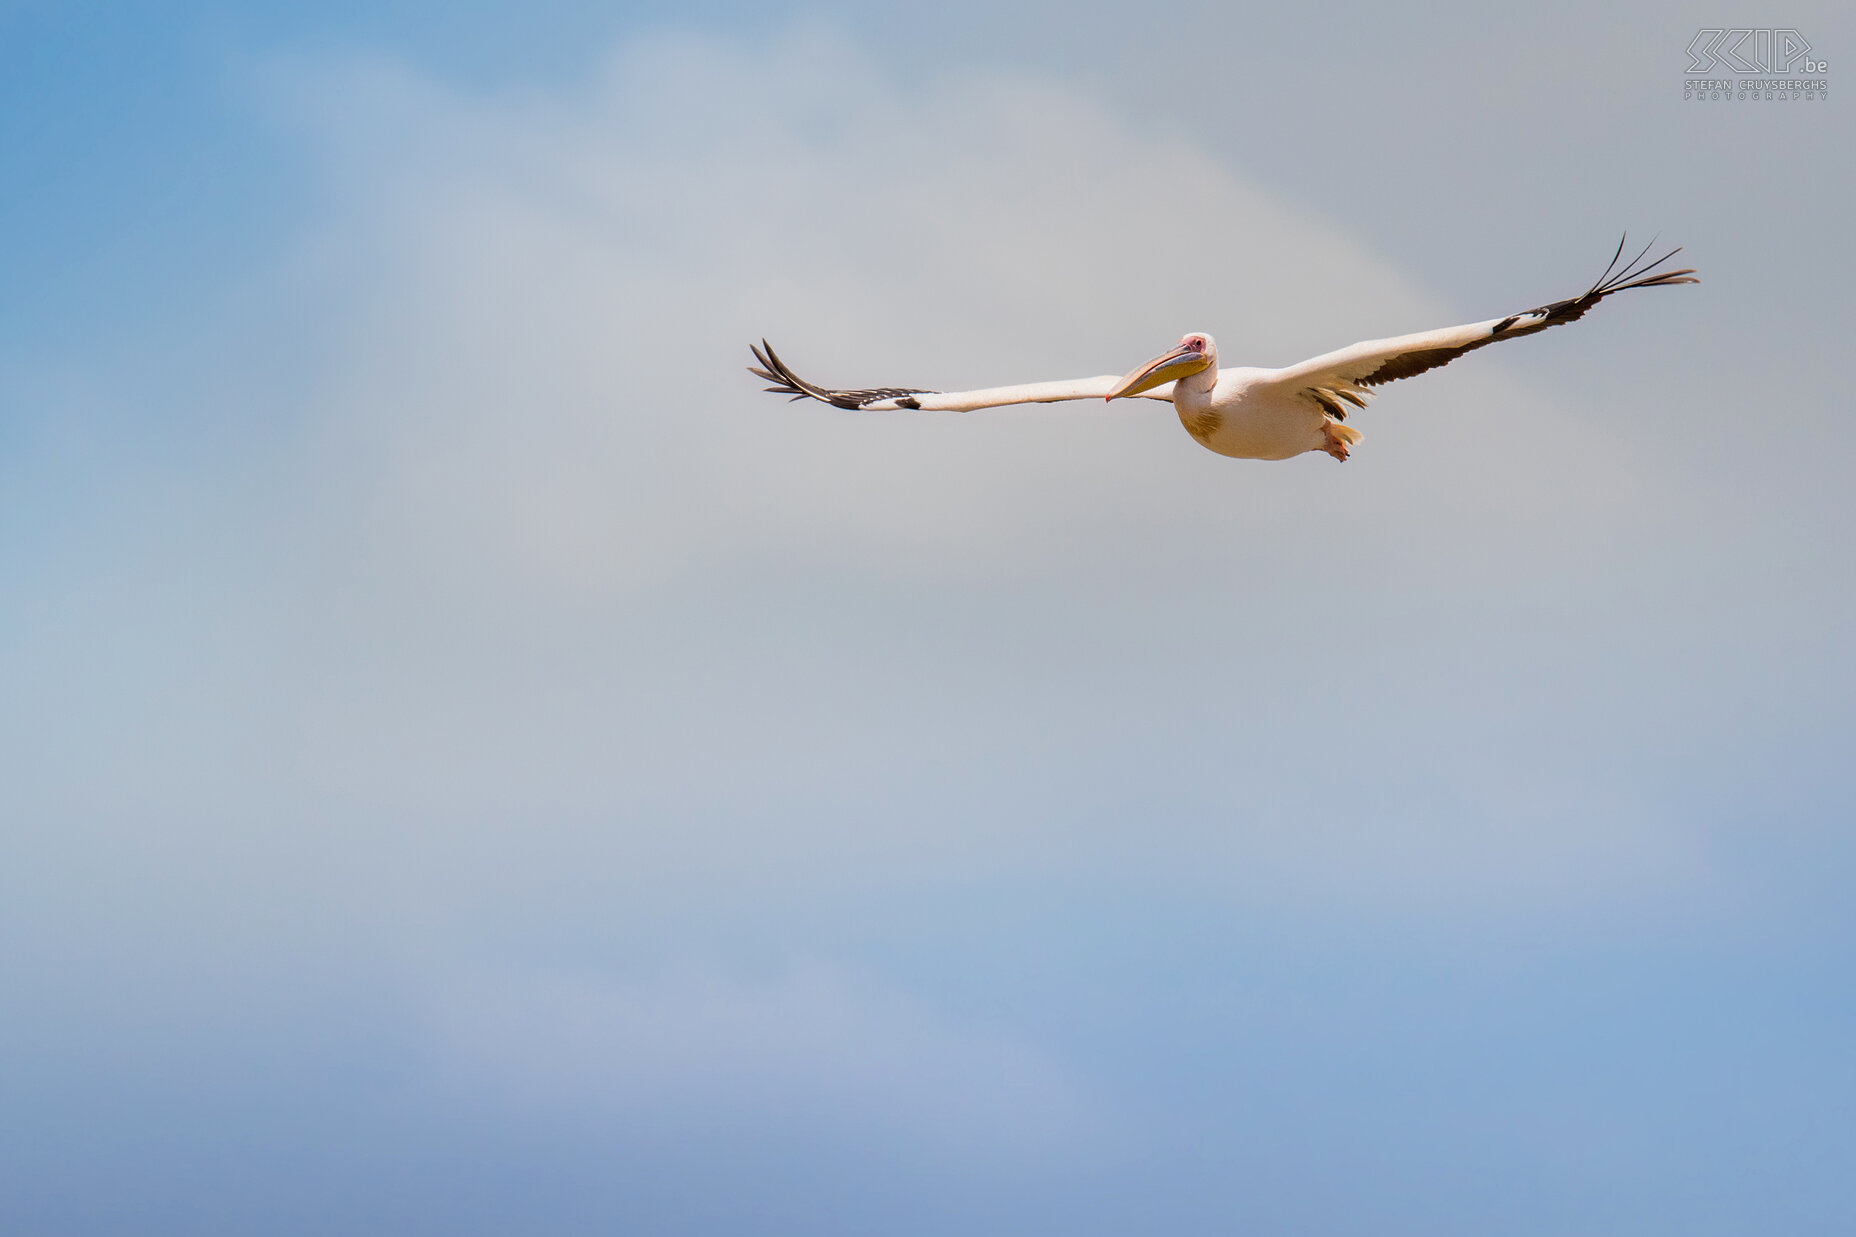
[{"x": 1250, "y": 413}]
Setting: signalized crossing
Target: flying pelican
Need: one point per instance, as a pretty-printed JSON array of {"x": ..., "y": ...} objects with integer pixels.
[{"x": 1249, "y": 413}]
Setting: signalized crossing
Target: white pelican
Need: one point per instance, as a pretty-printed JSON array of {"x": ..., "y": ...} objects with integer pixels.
[{"x": 1258, "y": 414}]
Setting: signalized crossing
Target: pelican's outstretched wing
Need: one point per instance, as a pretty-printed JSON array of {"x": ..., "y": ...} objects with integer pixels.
[
  {"x": 774, "y": 370},
  {"x": 1336, "y": 379}
]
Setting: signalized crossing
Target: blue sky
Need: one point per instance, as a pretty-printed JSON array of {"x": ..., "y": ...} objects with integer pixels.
[{"x": 476, "y": 764}]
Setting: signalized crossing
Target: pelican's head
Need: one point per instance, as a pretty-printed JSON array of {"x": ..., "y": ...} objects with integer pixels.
[{"x": 1196, "y": 353}]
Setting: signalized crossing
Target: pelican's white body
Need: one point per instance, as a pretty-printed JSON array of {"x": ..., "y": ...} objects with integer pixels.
[{"x": 1247, "y": 413}]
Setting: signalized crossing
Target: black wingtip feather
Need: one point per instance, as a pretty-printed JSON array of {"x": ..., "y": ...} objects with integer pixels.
[
  {"x": 1609, "y": 266},
  {"x": 775, "y": 370},
  {"x": 1635, "y": 274}
]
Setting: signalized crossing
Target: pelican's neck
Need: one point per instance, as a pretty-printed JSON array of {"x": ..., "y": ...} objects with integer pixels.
[{"x": 1196, "y": 388}]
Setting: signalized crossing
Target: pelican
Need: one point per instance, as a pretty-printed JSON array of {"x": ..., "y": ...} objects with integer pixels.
[{"x": 1250, "y": 413}]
